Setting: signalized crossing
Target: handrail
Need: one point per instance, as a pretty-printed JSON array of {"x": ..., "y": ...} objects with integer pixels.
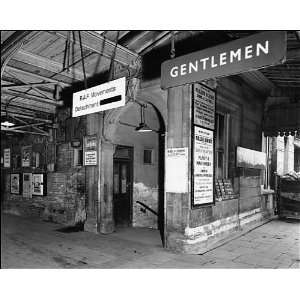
[{"x": 147, "y": 207}]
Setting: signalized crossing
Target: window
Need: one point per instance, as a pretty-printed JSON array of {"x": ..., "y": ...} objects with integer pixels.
[
  {"x": 221, "y": 164},
  {"x": 77, "y": 157},
  {"x": 148, "y": 156}
]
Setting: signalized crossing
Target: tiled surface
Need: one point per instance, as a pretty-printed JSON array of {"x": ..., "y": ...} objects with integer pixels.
[{"x": 29, "y": 243}]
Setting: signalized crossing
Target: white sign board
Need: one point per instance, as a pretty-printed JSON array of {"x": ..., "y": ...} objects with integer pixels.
[
  {"x": 204, "y": 106},
  {"x": 7, "y": 158},
  {"x": 203, "y": 175},
  {"x": 102, "y": 97},
  {"x": 90, "y": 158},
  {"x": 177, "y": 170}
]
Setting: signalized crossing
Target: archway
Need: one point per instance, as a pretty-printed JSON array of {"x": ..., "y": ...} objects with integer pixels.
[{"x": 148, "y": 148}]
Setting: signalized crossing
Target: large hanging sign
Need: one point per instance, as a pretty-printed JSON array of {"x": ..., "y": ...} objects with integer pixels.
[
  {"x": 90, "y": 150},
  {"x": 7, "y": 158},
  {"x": 203, "y": 167},
  {"x": 102, "y": 97},
  {"x": 241, "y": 55},
  {"x": 204, "y": 103}
]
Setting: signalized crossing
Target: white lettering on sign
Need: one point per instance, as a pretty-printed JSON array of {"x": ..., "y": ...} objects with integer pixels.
[
  {"x": 102, "y": 97},
  {"x": 240, "y": 55},
  {"x": 221, "y": 59}
]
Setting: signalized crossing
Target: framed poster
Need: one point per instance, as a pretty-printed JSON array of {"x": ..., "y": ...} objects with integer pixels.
[
  {"x": 39, "y": 184},
  {"x": 90, "y": 150},
  {"x": 15, "y": 185},
  {"x": 204, "y": 106},
  {"x": 27, "y": 185},
  {"x": 7, "y": 158},
  {"x": 26, "y": 156},
  {"x": 203, "y": 167}
]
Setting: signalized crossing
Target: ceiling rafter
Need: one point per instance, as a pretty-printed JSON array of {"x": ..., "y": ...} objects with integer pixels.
[
  {"x": 97, "y": 42},
  {"x": 32, "y": 97},
  {"x": 47, "y": 64}
]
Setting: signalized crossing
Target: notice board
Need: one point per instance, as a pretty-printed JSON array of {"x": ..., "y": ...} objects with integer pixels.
[{"x": 177, "y": 170}]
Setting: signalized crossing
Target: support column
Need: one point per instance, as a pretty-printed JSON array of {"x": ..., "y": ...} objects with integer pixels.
[
  {"x": 105, "y": 191},
  {"x": 92, "y": 127},
  {"x": 178, "y": 135}
]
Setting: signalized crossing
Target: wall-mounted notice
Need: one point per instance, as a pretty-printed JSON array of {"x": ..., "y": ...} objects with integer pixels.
[
  {"x": 204, "y": 106},
  {"x": 177, "y": 170},
  {"x": 39, "y": 184},
  {"x": 90, "y": 150},
  {"x": 203, "y": 168},
  {"x": 102, "y": 97},
  {"x": 27, "y": 185},
  {"x": 26, "y": 156},
  {"x": 7, "y": 158}
]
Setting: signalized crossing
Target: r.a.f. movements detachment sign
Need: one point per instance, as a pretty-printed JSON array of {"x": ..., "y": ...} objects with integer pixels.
[
  {"x": 203, "y": 168},
  {"x": 204, "y": 100},
  {"x": 102, "y": 97}
]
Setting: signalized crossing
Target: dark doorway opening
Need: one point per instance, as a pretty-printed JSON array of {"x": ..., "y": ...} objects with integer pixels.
[{"x": 122, "y": 185}]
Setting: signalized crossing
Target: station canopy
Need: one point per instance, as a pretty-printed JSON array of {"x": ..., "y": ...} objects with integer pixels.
[{"x": 41, "y": 69}]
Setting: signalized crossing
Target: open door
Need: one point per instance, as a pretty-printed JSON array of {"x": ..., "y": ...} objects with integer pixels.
[{"x": 123, "y": 186}]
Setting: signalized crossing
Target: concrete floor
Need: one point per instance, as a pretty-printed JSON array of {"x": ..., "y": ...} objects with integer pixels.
[{"x": 27, "y": 243}]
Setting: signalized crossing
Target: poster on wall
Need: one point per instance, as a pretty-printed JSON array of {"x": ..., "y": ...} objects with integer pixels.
[
  {"x": 203, "y": 167},
  {"x": 38, "y": 185},
  {"x": 204, "y": 101},
  {"x": 90, "y": 150},
  {"x": 15, "y": 186},
  {"x": 177, "y": 170},
  {"x": 27, "y": 185},
  {"x": 7, "y": 158},
  {"x": 26, "y": 156}
]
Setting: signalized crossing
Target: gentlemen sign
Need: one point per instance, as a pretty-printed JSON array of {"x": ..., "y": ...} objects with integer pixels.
[
  {"x": 241, "y": 55},
  {"x": 102, "y": 97}
]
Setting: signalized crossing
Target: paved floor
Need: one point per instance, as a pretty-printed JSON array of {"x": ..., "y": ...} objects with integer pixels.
[{"x": 27, "y": 243}]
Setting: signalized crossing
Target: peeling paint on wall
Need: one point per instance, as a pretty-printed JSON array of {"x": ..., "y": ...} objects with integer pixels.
[{"x": 142, "y": 217}]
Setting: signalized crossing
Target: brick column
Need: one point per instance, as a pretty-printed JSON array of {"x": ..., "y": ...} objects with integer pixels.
[
  {"x": 178, "y": 135},
  {"x": 105, "y": 192}
]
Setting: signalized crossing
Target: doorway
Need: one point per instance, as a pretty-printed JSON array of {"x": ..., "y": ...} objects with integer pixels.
[{"x": 122, "y": 186}]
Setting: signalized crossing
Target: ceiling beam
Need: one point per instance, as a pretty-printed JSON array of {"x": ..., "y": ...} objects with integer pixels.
[
  {"x": 153, "y": 41},
  {"x": 34, "y": 84},
  {"x": 157, "y": 42},
  {"x": 47, "y": 64},
  {"x": 36, "y": 76},
  {"x": 3, "y": 113},
  {"x": 13, "y": 42},
  {"x": 32, "y": 97},
  {"x": 3, "y": 128},
  {"x": 95, "y": 42}
]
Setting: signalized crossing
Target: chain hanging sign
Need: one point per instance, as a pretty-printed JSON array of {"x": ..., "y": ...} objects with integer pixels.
[
  {"x": 241, "y": 55},
  {"x": 99, "y": 98}
]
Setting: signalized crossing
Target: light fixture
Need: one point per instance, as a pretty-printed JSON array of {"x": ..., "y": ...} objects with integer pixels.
[
  {"x": 7, "y": 124},
  {"x": 143, "y": 127}
]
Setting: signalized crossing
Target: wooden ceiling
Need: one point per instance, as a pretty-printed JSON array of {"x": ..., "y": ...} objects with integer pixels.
[{"x": 37, "y": 65}]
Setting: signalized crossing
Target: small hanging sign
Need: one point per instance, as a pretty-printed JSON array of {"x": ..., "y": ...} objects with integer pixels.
[{"x": 99, "y": 98}]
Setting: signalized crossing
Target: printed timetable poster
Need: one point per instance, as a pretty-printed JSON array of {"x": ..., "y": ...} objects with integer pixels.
[
  {"x": 204, "y": 106},
  {"x": 203, "y": 168}
]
